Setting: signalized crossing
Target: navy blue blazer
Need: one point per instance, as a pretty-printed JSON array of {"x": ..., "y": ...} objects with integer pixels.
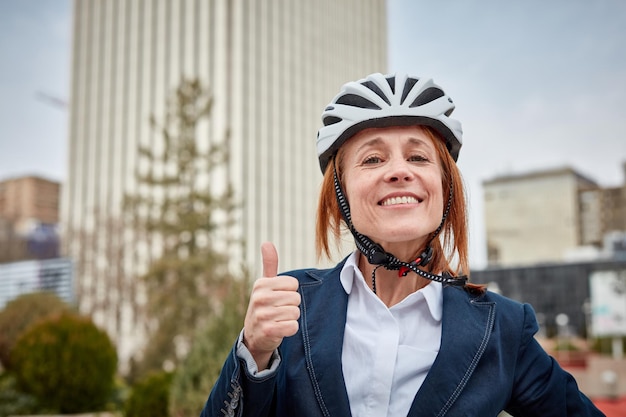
[{"x": 489, "y": 361}]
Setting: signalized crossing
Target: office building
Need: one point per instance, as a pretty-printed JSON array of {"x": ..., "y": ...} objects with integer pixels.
[
  {"x": 271, "y": 66},
  {"x": 49, "y": 275}
]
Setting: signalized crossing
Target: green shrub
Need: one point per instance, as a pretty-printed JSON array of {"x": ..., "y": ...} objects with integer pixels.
[
  {"x": 150, "y": 396},
  {"x": 13, "y": 401},
  {"x": 604, "y": 345},
  {"x": 67, "y": 363},
  {"x": 22, "y": 312},
  {"x": 565, "y": 346},
  {"x": 118, "y": 395}
]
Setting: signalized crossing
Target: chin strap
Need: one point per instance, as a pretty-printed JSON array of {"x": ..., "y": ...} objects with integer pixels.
[{"x": 376, "y": 255}]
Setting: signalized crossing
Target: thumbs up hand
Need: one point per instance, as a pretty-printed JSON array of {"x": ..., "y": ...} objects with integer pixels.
[{"x": 273, "y": 310}]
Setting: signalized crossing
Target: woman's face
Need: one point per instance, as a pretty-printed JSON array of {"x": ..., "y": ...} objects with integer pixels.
[{"x": 392, "y": 179}]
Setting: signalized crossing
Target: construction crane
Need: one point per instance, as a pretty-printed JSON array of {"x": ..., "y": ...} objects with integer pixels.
[{"x": 52, "y": 100}]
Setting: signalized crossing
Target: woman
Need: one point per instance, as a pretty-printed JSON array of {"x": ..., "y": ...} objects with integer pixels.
[{"x": 394, "y": 329}]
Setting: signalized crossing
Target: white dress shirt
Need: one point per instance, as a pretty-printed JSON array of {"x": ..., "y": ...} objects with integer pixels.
[{"x": 387, "y": 352}]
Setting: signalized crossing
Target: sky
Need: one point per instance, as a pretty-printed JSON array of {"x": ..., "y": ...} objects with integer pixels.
[
  {"x": 35, "y": 54},
  {"x": 537, "y": 85}
]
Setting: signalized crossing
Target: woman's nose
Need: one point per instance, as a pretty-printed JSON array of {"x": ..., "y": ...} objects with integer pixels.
[{"x": 398, "y": 170}]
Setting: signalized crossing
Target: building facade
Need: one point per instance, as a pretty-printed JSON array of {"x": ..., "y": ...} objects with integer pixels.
[
  {"x": 552, "y": 290},
  {"x": 29, "y": 198},
  {"x": 24, "y": 277},
  {"x": 271, "y": 67},
  {"x": 535, "y": 217},
  {"x": 29, "y": 216},
  {"x": 603, "y": 215},
  {"x": 553, "y": 216}
]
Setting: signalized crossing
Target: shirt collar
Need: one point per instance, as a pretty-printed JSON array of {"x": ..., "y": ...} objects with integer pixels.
[
  {"x": 349, "y": 271},
  {"x": 432, "y": 293}
]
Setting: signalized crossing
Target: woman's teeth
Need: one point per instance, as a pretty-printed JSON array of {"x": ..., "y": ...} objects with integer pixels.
[{"x": 399, "y": 200}]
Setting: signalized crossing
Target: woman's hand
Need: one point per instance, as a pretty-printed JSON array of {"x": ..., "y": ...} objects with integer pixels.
[{"x": 273, "y": 311}]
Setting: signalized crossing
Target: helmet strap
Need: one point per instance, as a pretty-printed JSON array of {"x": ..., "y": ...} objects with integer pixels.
[{"x": 376, "y": 255}]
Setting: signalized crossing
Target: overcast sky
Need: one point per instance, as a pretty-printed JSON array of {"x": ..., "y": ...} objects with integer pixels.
[
  {"x": 537, "y": 84},
  {"x": 35, "y": 43}
]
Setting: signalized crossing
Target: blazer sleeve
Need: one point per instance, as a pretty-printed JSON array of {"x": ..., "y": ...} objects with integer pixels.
[
  {"x": 237, "y": 393},
  {"x": 541, "y": 386}
]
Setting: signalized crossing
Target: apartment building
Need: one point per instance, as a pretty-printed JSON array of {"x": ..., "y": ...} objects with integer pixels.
[
  {"x": 29, "y": 217},
  {"x": 551, "y": 216}
]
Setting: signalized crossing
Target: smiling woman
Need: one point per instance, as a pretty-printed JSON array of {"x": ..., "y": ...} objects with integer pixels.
[{"x": 394, "y": 329}]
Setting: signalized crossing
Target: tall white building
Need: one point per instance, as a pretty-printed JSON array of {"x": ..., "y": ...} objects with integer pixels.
[{"x": 271, "y": 65}]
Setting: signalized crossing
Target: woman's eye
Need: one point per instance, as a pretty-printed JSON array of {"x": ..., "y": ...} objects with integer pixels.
[
  {"x": 372, "y": 160},
  {"x": 418, "y": 158}
]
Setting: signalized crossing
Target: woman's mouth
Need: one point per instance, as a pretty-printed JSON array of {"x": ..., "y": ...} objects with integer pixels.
[{"x": 394, "y": 201}]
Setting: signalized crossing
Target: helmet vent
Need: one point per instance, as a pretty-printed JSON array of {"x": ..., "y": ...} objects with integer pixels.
[
  {"x": 357, "y": 101},
  {"x": 331, "y": 120},
  {"x": 372, "y": 86},
  {"x": 428, "y": 95},
  {"x": 408, "y": 85},
  {"x": 392, "y": 83}
]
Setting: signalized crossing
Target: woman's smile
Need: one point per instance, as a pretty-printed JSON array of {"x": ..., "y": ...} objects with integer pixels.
[{"x": 400, "y": 200}]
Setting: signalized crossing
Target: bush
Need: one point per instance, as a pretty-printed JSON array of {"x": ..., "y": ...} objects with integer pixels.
[
  {"x": 22, "y": 312},
  {"x": 150, "y": 396},
  {"x": 13, "y": 401},
  {"x": 604, "y": 345},
  {"x": 565, "y": 346},
  {"x": 67, "y": 363}
]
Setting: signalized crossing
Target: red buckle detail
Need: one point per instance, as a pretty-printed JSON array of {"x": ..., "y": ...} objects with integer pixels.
[{"x": 404, "y": 270}]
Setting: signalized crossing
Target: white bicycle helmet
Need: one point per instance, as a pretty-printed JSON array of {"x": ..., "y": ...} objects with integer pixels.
[{"x": 384, "y": 101}]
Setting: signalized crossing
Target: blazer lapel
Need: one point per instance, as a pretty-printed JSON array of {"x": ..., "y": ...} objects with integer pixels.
[
  {"x": 323, "y": 317},
  {"x": 466, "y": 329}
]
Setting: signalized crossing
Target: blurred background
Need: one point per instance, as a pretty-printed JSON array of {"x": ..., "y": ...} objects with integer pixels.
[{"x": 145, "y": 143}]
